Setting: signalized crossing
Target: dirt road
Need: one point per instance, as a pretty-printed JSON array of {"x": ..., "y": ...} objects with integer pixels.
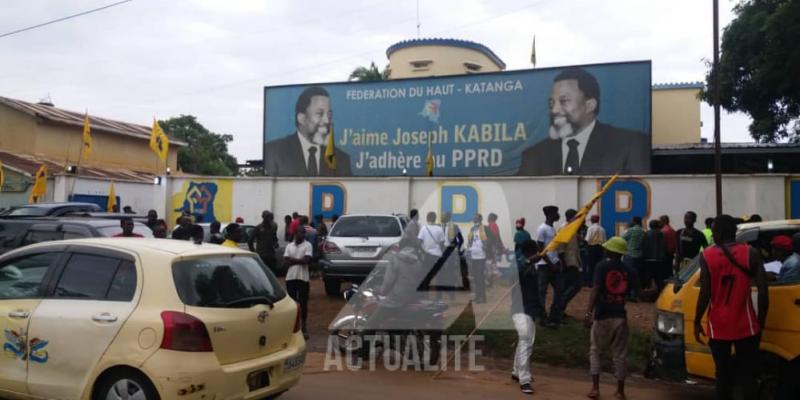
[{"x": 551, "y": 383}]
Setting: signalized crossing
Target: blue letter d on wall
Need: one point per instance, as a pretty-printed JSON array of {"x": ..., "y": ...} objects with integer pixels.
[
  {"x": 328, "y": 199},
  {"x": 624, "y": 200}
]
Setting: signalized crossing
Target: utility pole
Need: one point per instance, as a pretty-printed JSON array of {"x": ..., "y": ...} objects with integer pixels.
[{"x": 717, "y": 139}]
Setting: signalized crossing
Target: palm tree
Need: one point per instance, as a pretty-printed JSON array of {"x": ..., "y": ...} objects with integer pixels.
[{"x": 369, "y": 74}]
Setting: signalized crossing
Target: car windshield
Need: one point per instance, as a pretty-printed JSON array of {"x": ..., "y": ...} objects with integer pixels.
[
  {"x": 110, "y": 231},
  {"x": 226, "y": 282},
  {"x": 366, "y": 226},
  {"x": 686, "y": 272},
  {"x": 28, "y": 212}
]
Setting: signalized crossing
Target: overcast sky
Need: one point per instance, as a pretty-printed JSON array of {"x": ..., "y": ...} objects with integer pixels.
[{"x": 212, "y": 58}]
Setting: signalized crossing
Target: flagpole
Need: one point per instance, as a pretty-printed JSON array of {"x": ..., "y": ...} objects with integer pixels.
[{"x": 80, "y": 157}]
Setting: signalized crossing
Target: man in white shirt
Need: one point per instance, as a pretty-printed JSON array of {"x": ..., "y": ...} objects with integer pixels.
[
  {"x": 549, "y": 268},
  {"x": 433, "y": 242},
  {"x": 298, "y": 255},
  {"x": 476, "y": 240},
  {"x": 595, "y": 237}
]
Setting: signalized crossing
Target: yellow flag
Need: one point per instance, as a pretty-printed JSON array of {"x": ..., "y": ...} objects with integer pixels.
[
  {"x": 39, "y": 185},
  {"x": 571, "y": 229},
  {"x": 159, "y": 142},
  {"x": 429, "y": 161},
  {"x": 112, "y": 198},
  {"x": 86, "y": 149},
  {"x": 2, "y": 176},
  {"x": 330, "y": 150}
]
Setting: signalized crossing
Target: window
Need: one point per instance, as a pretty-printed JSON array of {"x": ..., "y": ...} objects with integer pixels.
[
  {"x": 421, "y": 65},
  {"x": 123, "y": 287},
  {"x": 472, "y": 67},
  {"x": 87, "y": 277},
  {"x": 225, "y": 282},
  {"x": 22, "y": 277},
  {"x": 366, "y": 226},
  {"x": 41, "y": 236}
]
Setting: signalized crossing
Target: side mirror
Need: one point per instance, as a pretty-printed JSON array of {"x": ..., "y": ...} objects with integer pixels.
[{"x": 349, "y": 293}]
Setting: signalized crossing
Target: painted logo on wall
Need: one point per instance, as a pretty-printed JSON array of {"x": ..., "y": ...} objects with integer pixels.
[{"x": 207, "y": 201}]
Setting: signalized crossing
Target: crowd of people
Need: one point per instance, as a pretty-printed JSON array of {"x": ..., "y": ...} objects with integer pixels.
[{"x": 634, "y": 266}]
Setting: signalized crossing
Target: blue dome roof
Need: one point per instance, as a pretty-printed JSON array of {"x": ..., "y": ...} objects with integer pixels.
[{"x": 446, "y": 42}]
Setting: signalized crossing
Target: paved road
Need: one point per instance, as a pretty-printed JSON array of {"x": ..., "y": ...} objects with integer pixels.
[{"x": 551, "y": 383}]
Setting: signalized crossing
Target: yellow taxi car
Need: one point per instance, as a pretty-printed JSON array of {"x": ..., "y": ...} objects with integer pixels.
[
  {"x": 129, "y": 318},
  {"x": 678, "y": 356}
]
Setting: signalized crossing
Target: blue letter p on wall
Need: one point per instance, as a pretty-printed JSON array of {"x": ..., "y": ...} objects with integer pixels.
[
  {"x": 463, "y": 201},
  {"x": 327, "y": 199},
  {"x": 624, "y": 200}
]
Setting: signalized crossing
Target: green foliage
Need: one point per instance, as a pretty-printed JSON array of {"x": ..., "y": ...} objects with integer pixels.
[
  {"x": 207, "y": 152},
  {"x": 567, "y": 346},
  {"x": 369, "y": 74},
  {"x": 760, "y": 68}
]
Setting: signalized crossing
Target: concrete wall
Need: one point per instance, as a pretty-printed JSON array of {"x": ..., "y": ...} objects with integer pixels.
[
  {"x": 17, "y": 130},
  {"x": 447, "y": 60},
  {"x": 676, "y": 116},
  {"x": 224, "y": 199}
]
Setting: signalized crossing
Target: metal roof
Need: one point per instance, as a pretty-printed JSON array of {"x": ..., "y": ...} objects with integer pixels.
[
  {"x": 678, "y": 85},
  {"x": 65, "y": 117},
  {"x": 29, "y": 164},
  {"x": 446, "y": 42},
  {"x": 728, "y": 148}
]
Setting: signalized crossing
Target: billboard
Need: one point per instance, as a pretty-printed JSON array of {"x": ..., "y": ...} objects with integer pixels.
[{"x": 579, "y": 120}]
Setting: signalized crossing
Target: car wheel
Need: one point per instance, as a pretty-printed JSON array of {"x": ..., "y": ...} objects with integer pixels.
[
  {"x": 332, "y": 287},
  {"x": 125, "y": 385}
]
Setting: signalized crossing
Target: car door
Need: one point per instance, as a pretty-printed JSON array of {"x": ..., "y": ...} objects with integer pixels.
[
  {"x": 21, "y": 280},
  {"x": 86, "y": 303}
]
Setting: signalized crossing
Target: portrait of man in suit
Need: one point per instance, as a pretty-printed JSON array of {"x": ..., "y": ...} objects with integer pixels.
[
  {"x": 302, "y": 153},
  {"x": 578, "y": 143}
]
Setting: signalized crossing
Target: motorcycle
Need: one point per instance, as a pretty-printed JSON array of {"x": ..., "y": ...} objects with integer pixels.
[{"x": 415, "y": 330}]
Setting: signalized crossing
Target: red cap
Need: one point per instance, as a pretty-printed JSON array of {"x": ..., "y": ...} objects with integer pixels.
[
  {"x": 239, "y": 220},
  {"x": 521, "y": 221},
  {"x": 782, "y": 242}
]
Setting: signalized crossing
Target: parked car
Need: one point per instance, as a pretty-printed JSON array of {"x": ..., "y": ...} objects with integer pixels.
[
  {"x": 22, "y": 232},
  {"x": 355, "y": 244},
  {"x": 247, "y": 230},
  {"x": 48, "y": 209},
  {"x": 677, "y": 354},
  {"x": 144, "y": 319}
]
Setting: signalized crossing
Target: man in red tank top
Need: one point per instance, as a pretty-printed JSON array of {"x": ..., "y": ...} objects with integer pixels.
[{"x": 727, "y": 271}]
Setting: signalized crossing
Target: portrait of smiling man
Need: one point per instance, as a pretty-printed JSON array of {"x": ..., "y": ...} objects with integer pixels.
[
  {"x": 579, "y": 144},
  {"x": 302, "y": 153}
]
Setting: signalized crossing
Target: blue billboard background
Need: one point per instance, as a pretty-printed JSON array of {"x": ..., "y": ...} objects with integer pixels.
[{"x": 481, "y": 124}]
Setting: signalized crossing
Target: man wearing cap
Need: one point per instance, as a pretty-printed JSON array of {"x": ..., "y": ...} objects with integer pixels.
[
  {"x": 790, "y": 271},
  {"x": 613, "y": 281},
  {"x": 781, "y": 250}
]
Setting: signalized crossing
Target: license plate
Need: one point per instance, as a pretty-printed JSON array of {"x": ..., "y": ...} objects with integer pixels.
[
  {"x": 295, "y": 362},
  {"x": 258, "y": 380}
]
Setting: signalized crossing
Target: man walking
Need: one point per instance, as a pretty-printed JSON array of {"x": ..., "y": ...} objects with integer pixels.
[
  {"x": 265, "y": 238},
  {"x": 670, "y": 240},
  {"x": 549, "y": 267},
  {"x": 654, "y": 254},
  {"x": 477, "y": 241},
  {"x": 433, "y": 242},
  {"x": 412, "y": 229},
  {"x": 634, "y": 236},
  {"x": 689, "y": 241},
  {"x": 451, "y": 270},
  {"x": 297, "y": 256},
  {"x": 570, "y": 253},
  {"x": 524, "y": 307},
  {"x": 606, "y": 314},
  {"x": 595, "y": 237}
]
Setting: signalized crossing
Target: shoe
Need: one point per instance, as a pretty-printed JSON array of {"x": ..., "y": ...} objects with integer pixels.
[
  {"x": 526, "y": 388},
  {"x": 514, "y": 378}
]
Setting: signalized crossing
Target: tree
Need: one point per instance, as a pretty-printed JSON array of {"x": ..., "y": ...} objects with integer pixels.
[
  {"x": 760, "y": 68},
  {"x": 369, "y": 74},
  {"x": 207, "y": 152}
]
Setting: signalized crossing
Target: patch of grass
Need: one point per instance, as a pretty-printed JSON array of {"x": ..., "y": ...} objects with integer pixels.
[{"x": 567, "y": 346}]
